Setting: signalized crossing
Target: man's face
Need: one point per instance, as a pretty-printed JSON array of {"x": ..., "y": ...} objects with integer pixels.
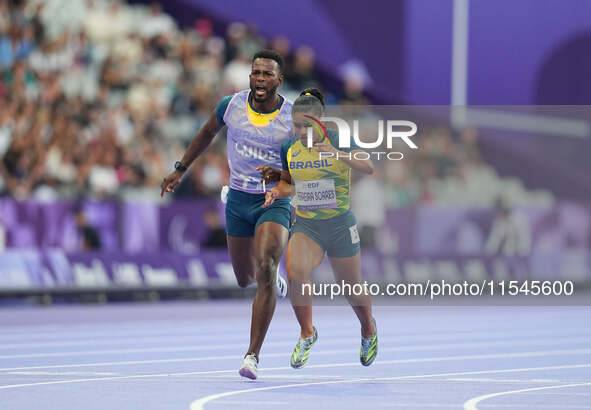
[
  {"x": 265, "y": 78},
  {"x": 301, "y": 123}
]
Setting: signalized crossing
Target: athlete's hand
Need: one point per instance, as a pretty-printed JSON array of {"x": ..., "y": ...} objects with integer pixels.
[
  {"x": 321, "y": 147},
  {"x": 170, "y": 183},
  {"x": 270, "y": 197},
  {"x": 269, "y": 174}
]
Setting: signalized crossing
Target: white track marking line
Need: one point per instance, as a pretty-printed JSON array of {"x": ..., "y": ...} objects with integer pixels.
[
  {"x": 527, "y": 342},
  {"x": 142, "y": 376},
  {"x": 127, "y": 351},
  {"x": 100, "y": 364},
  {"x": 538, "y": 406},
  {"x": 63, "y": 373},
  {"x": 255, "y": 402},
  {"x": 398, "y": 361},
  {"x": 200, "y": 403},
  {"x": 127, "y": 327},
  {"x": 284, "y": 376},
  {"x": 162, "y": 327},
  {"x": 489, "y": 380},
  {"x": 562, "y": 394},
  {"x": 112, "y": 341},
  {"x": 199, "y": 336},
  {"x": 472, "y": 404}
]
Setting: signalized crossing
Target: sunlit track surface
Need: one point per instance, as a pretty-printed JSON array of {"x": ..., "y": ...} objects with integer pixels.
[{"x": 186, "y": 356}]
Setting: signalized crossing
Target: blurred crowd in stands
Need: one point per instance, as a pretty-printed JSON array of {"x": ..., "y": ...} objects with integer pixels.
[{"x": 99, "y": 98}]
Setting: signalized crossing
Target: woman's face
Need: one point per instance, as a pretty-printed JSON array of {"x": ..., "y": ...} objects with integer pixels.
[{"x": 301, "y": 123}]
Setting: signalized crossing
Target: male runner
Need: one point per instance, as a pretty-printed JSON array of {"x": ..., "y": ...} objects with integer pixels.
[{"x": 258, "y": 121}]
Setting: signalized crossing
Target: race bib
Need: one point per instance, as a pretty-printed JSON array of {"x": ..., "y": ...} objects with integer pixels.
[{"x": 315, "y": 195}]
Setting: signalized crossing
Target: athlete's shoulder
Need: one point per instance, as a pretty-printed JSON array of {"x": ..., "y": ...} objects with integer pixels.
[
  {"x": 286, "y": 145},
  {"x": 220, "y": 109},
  {"x": 239, "y": 97},
  {"x": 243, "y": 93}
]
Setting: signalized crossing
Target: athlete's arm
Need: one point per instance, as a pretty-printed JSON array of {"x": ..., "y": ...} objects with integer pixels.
[
  {"x": 284, "y": 189},
  {"x": 362, "y": 165},
  {"x": 269, "y": 174},
  {"x": 202, "y": 140},
  {"x": 196, "y": 148}
]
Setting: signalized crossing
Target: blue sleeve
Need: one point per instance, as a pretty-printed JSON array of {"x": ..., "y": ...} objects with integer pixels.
[
  {"x": 220, "y": 110},
  {"x": 284, "y": 148},
  {"x": 333, "y": 137}
]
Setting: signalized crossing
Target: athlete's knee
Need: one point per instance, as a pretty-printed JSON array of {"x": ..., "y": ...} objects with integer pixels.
[
  {"x": 244, "y": 281},
  {"x": 297, "y": 273},
  {"x": 244, "y": 274},
  {"x": 266, "y": 271}
]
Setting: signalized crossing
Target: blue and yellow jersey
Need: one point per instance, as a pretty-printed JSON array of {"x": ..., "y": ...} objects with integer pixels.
[
  {"x": 253, "y": 138},
  {"x": 256, "y": 117},
  {"x": 322, "y": 185}
]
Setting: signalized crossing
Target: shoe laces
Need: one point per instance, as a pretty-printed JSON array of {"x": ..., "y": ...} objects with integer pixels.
[
  {"x": 366, "y": 342},
  {"x": 304, "y": 343}
]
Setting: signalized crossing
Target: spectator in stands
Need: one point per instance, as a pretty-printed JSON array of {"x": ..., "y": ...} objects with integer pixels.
[
  {"x": 90, "y": 238},
  {"x": 369, "y": 205},
  {"x": 303, "y": 73},
  {"x": 90, "y": 89},
  {"x": 216, "y": 232},
  {"x": 510, "y": 234}
]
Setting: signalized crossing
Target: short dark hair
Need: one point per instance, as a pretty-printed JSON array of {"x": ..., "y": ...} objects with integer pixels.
[{"x": 271, "y": 55}]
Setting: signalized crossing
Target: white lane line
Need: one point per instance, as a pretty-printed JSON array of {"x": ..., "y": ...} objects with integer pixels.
[
  {"x": 126, "y": 328},
  {"x": 63, "y": 373},
  {"x": 326, "y": 352},
  {"x": 414, "y": 347},
  {"x": 472, "y": 404},
  {"x": 285, "y": 376},
  {"x": 110, "y": 341},
  {"x": 490, "y": 380},
  {"x": 105, "y": 333},
  {"x": 199, "y": 337},
  {"x": 562, "y": 394},
  {"x": 127, "y": 351},
  {"x": 141, "y": 376},
  {"x": 259, "y": 402},
  {"x": 434, "y": 359},
  {"x": 162, "y": 327},
  {"x": 124, "y": 363},
  {"x": 199, "y": 404},
  {"x": 538, "y": 406}
]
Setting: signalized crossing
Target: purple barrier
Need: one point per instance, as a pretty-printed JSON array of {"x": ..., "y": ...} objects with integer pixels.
[
  {"x": 179, "y": 227},
  {"x": 55, "y": 269}
]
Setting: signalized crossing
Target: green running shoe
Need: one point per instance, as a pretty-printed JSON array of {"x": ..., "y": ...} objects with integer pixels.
[
  {"x": 299, "y": 358},
  {"x": 369, "y": 347}
]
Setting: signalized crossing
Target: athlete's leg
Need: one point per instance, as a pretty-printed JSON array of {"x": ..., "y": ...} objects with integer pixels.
[
  {"x": 270, "y": 239},
  {"x": 240, "y": 234},
  {"x": 242, "y": 256},
  {"x": 303, "y": 256},
  {"x": 349, "y": 271}
]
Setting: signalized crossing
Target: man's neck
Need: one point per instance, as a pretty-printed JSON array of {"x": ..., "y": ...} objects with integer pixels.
[{"x": 267, "y": 105}]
